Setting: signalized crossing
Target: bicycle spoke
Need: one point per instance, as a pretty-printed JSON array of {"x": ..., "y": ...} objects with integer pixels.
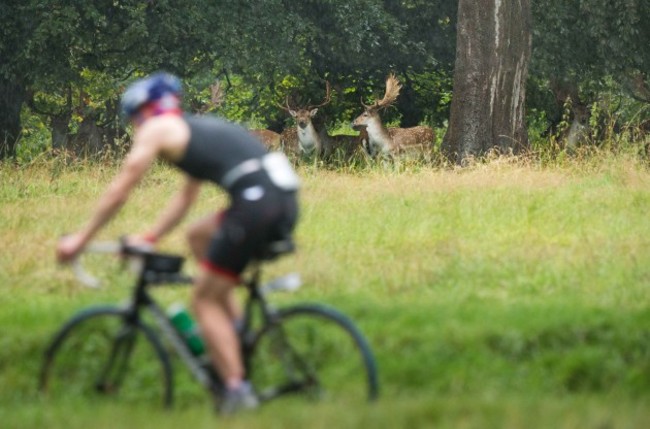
[
  {"x": 315, "y": 354},
  {"x": 98, "y": 356}
]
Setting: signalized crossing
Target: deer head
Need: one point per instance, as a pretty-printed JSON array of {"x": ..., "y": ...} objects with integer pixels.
[
  {"x": 371, "y": 111},
  {"x": 304, "y": 115}
]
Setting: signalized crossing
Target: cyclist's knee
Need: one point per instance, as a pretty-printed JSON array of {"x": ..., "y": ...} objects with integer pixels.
[
  {"x": 198, "y": 235},
  {"x": 212, "y": 287},
  {"x": 198, "y": 241}
]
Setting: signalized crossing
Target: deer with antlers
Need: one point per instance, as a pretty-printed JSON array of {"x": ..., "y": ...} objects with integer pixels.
[
  {"x": 391, "y": 141},
  {"x": 312, "y": 141}
]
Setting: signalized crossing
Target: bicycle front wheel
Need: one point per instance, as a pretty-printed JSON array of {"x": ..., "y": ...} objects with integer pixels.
[
  {"x": 102, "y": 352},
  {"x": 315, "y": 352}
]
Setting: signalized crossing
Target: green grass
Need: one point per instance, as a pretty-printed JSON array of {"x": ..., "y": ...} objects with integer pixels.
[{"x": 502, "y": 295}]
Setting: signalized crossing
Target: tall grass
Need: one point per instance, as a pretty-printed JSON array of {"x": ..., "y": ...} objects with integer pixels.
[{"x": 509, "y": 293}]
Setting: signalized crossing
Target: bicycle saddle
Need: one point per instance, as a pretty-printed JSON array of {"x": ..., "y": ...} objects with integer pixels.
[{"x": 277, "y": 248}]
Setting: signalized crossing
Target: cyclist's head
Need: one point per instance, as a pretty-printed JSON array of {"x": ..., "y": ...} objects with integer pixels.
[{"x": 155, "y": 94}]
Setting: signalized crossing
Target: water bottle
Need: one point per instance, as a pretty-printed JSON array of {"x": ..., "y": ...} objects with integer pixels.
[{"x": 187, "y": 327}]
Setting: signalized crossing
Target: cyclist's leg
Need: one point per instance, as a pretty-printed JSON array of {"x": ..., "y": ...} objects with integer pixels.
[
  {"x": 199, "y": 235},
  {"x": 227, "y": 253},
  {"x": 213, "y": 294}
]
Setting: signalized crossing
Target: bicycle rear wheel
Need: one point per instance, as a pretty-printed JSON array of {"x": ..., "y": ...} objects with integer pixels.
[
  {"x": 315, "y": 352},
  {"x": 102, "y": 353}
]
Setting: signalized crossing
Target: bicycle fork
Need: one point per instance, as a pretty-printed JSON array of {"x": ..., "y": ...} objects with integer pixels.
[{"x": 116, "y": 366}]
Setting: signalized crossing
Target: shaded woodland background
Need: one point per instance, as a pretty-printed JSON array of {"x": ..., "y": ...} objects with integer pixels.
[{"x": 64, "y": 64}]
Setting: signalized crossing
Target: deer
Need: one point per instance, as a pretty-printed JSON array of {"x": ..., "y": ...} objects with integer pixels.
[
  {"x": 572, "y": 128},
  {"x": 312, "y": 141},
  {"x": 390, "y": 141}
]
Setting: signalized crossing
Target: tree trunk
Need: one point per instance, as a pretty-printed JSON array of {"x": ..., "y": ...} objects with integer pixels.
[
  {"x": 492, "y": 55},
  {"x": 12, "y": 97},
  {"x": 88, "y": 142},
  {"x": 59, "y": 127}
]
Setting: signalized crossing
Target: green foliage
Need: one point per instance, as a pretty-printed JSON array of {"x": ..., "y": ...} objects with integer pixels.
[
  {"x": 71, "y": 49},
  {"x": 35, "y": 139},
  {"x": 587, "y": 42}
]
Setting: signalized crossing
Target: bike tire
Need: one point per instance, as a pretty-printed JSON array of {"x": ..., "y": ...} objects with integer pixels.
[
  {"x": 314, "y": 352},
  {"x": 102, "y": 353}
]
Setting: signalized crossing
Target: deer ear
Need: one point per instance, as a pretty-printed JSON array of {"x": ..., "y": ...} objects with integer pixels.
[
  {"x": 293, "y": 113},
  {"x": 313, "y": 112}
]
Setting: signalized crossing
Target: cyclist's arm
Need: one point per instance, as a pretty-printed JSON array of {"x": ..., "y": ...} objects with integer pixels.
[
  {"x": 176, "y": 209},
  {"x": 135, "y": 166}
]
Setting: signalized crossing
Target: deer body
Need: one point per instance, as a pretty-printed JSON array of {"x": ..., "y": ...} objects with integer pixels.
[
  {"x": 379, "y": 139},
  {"x": 390, "y": 141},
  {"x": 310, "y": 141},
  {"x": 289, "y": 141},
  {"x": 346, "y": 145},
  {"x": 270, "y": 139},
  {"x": 419, "y": 138}
]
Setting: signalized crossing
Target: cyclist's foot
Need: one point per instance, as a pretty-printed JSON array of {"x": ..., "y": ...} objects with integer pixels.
[{"x": 239, "y": 399}]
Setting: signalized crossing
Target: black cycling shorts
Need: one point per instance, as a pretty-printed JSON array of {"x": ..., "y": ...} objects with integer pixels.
[{"x": 260, "y": 213}]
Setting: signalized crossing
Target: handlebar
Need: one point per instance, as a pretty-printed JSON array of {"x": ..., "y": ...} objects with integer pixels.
[
  {"x": 118, "y": 248},
  {"x": 162, "y": 268}
]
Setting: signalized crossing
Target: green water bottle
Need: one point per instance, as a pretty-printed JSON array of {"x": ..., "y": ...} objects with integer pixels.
[{"x": 187, "y": 327}]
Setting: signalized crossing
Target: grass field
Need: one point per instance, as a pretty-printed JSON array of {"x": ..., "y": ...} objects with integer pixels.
[{"x": 502, "y": 295}]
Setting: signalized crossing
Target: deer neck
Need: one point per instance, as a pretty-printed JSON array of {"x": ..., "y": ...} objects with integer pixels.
[
  {"x": 309, "y": 139},
  {"x": 379, "y": 139}
]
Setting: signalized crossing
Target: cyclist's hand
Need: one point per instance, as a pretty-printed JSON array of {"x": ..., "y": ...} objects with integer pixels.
[
  {"x": 141, "y": 241},
  {"x": 69, "y": 247}
]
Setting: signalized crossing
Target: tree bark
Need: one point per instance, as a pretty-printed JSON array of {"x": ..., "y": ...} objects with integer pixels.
[
  {"x": 59, "y": 127},
  {"x": 492, "y": 55},
  {"x": 12, "y": 97}
]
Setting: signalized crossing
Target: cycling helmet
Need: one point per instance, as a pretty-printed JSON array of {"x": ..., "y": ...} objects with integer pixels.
[{"x": 147, "y": 90}]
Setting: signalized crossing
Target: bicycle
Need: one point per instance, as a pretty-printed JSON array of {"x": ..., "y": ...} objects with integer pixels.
[{"x": 308, "y": 350}]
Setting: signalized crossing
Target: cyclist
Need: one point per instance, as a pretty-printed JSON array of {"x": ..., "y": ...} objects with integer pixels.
[{"x": 263, "y": 208}]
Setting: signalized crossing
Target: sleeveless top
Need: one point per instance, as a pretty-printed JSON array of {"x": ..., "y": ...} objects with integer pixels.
[{"x": 216, "y": 146}]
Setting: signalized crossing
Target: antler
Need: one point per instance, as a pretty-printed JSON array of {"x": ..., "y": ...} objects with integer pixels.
[
  {"x": 392, "y": 91},
  {"x": 390, "y": 95},
  {"x": 327, "y": 99},
  {"x": 216, "y": 94},
  {"x": 366, "y": 106},
  {"x": 286, "y": 108}
]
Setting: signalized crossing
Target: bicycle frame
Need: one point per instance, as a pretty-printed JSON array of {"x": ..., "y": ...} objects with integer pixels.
[{"x": 201, "y": 367}]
